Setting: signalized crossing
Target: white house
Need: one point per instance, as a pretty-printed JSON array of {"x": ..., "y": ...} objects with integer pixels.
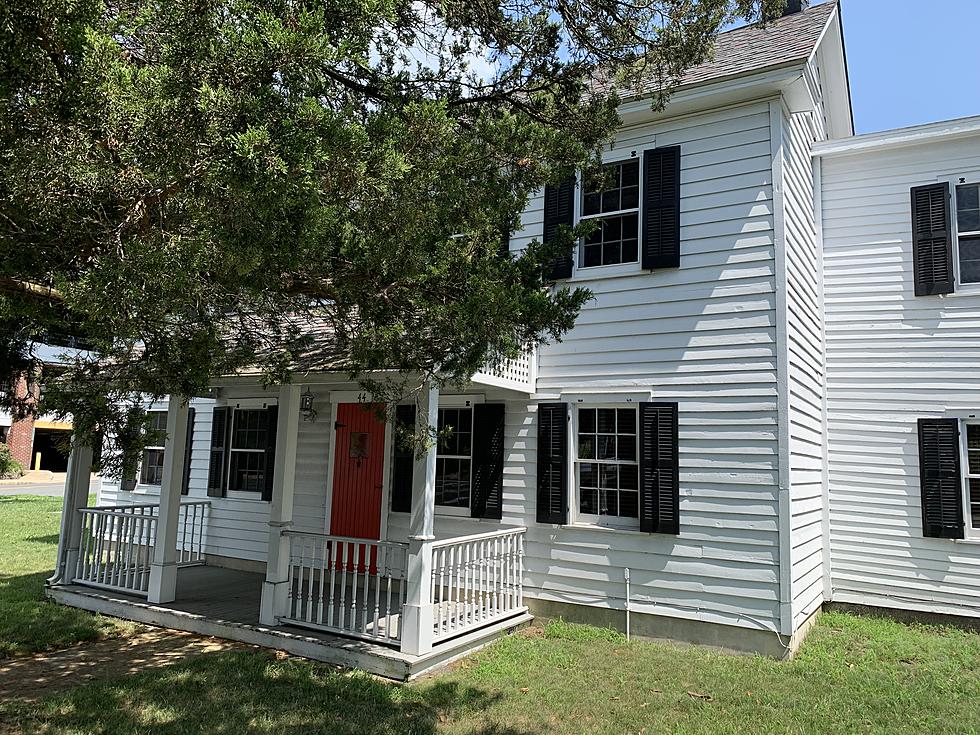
[
  {"x": 900, "y": 217},
  {"x": 667, "y": 463}
]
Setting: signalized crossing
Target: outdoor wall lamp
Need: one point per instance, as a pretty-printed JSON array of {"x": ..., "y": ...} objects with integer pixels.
[{"x": 306, "y": 405}]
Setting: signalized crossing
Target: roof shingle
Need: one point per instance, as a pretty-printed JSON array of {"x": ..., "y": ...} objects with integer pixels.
[{"x": 755, "y": 48}]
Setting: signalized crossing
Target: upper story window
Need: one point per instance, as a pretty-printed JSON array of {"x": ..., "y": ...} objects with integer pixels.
[
  {"x": 151, "y": 468},
  {"x": 454, "y": 458},
  {"x": 608, "y": 470},
  {"x": 249, "y": 442},
  {"x": 615, "y": 199},
  {"x": 968, "y": 231}
]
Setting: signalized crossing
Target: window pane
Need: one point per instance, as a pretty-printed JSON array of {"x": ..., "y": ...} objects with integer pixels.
[
  {"x": 588, "y": 474},
  {"x": 247, "y": 471},
  {"x": 973, "y": 436},
  {"x": 586, "y": 421},
  {"x": 628, "y": 477},
  {"x": 605, "y": 447},
  {"x": 455, "y": 429},
  {"x": 968, "y": 220},
  {"x": 586, "y": 447},
  {"x": 626, "y": 421},
  {"x": 974, "y": 458},
  {"x": 251, "y": 427},
  {"x": 975, "y": 502},
  {"x": 629, "y": 504},
  {"x": 631, "y": 173},
  {"x": 608, "y": 505},
  {"x": 588, "y": 502},
  {"x": 606, "y": 420},
  {"x": 626, "y": 446},
  {"x": 970, "y": 259},
  {"x": 158, "y": 420},
  {"x": 591, "y": 256},
  {"x": 591, "y": 203},
  {"x": 608, "y": 476},
  {"x": 453, "y": 482},
  {"x": 610, "y": 200},
  {"x": 151, "y": 472},
  {"x": 968, "y": 197},
  {"x": 968, "y": 208}
]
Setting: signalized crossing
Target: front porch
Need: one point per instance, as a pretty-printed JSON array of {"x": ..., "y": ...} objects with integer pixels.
[
  {"x": 225, "y": 603},
  {"x": 392, "y": 607}
]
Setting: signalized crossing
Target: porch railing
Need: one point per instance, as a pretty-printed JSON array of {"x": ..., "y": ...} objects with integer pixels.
[
  {"x": 346, "y": 585},
  {"x": 517, "y": 374},
  {"x": 117, "y": 543},
  {"x": 476, "y": 581}
]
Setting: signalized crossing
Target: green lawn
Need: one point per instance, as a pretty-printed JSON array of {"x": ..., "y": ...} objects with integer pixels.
[
  {"x": 854, "y": 675},
  {"x": 28, "y": 544}
]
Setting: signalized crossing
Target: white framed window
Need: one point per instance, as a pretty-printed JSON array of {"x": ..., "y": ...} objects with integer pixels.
[
  {"x": 968, "y": 232},
  {"x": 607, "y": 465},
  {"x": 613, "y": 198},
  {"x": 970, "y": 436},
  {"x": 247, "y": 450},
  {"x": 151, "y": 463},
  {"x": 454, "y": 460}
]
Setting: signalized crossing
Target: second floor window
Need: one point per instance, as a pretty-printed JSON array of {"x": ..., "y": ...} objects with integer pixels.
[
  {"x": 968, "y": 231},
  {"x": 151, "y": 468},
  {"x": 614, "y": 199}
]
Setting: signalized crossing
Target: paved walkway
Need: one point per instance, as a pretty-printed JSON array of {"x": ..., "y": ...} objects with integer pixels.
[
  {"x": 49, "y": 484},
  {"x": 29, "y": 678}
]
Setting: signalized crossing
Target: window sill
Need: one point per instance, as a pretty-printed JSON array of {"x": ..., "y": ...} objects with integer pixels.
[
  {"x": 963, "y": 290},
  {"x": 451, "y": 512},
  {"x": 969, "y": 541},
  {"x": 599, "y": 272},
  {"x": 633, "y": 530}
]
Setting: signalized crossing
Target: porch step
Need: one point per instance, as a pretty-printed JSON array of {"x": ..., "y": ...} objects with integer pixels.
[{"x": 366, "y": 656}]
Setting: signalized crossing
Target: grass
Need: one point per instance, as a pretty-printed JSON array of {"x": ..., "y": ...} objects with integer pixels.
[
  {"x": 29, "y": 623},
  {"x": 854, "y": 675}
]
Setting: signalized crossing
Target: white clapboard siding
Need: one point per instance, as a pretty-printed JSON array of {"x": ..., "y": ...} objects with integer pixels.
[
  {"x": 805, "y": 378},
  {"x": 892, "y": 357},
  {"x": 703, "y": 335},
  {"x": 237, "y": 528}
]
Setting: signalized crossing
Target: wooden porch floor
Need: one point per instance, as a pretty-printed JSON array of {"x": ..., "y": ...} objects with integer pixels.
[{"x": 225, "y": 603}]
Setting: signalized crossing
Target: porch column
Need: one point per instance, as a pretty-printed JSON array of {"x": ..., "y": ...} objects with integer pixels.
[
  {"x": 163, "y": 564},
  {"x": 275, "y": 589},
  {"x": 417, "y": 617},
  {"x": 76, "y": 498}
]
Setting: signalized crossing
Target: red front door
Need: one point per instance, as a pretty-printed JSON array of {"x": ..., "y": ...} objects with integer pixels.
[{"x": 357, "y": 471}]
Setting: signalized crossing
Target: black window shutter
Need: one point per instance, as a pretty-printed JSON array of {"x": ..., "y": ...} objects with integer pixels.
[
  {"x": 662, "y": 208},
  {"x": 403, "y": 462},
  {"x": 217, "y": 459},
  {"x": 505, "y": 240},
  {"x": 272, "y": 414},
  {"x": 552, "y": 500},
  {"x": 488, "y": 460},
  {"x": 939, "y": 476},
  {"x": 128, "y": 481},
  {"x": 185, "y": 484},
  {"x": 559, "y": 209},
  {"x": 659, "y": 478},
  {"x": 932, "y": 240}
]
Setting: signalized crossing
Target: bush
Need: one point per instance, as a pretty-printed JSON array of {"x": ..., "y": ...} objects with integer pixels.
[{"x": 9, "y": 467}]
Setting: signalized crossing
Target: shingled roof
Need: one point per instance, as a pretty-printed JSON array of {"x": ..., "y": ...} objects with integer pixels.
[{"x": 754, "y": 48}]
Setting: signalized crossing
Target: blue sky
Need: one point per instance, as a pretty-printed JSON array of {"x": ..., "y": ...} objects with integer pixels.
[{"x": 912, "y": 61}]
